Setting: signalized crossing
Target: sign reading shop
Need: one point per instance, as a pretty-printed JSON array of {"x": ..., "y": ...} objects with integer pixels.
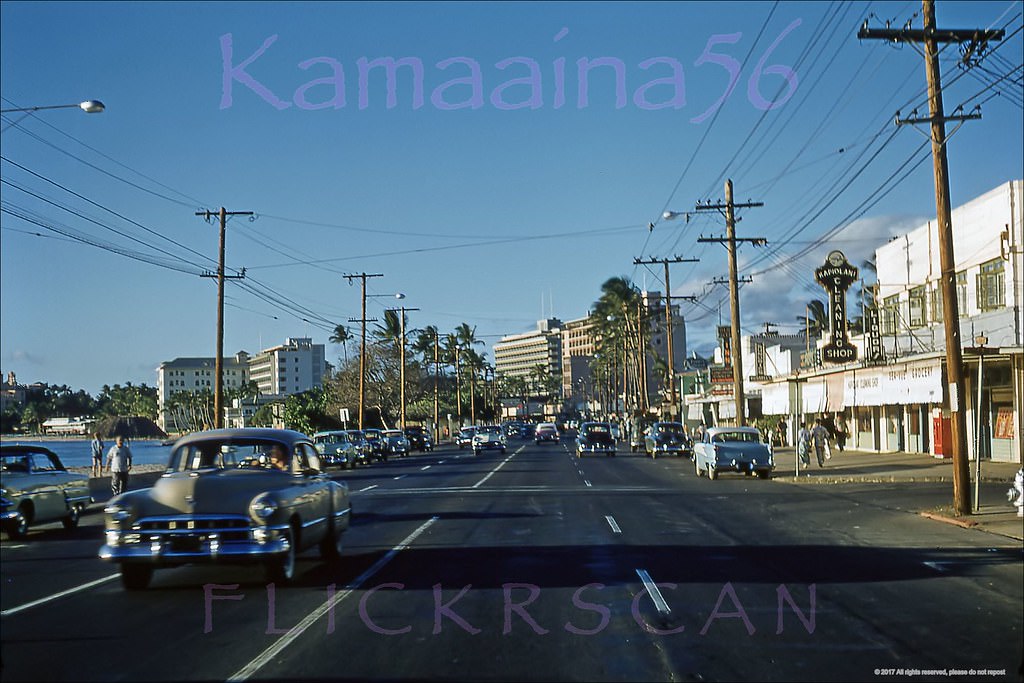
[{"x": 836, "y": 276}]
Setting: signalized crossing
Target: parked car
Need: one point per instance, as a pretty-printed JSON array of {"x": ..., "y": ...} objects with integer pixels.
[
  {"x": 396, "y": 442},
  {"x": 528, "y": 431},
  {"x": 222, "y": 500},
  {"x": 363, "y": 449},
  {"x": 595, "y": 437},
  {"x": 733, "y": 449},
  {"x": 488, "y": 437},
  {"x": 419, "y": 439},
  {"x": 465, "y": 437},
  {"x": 336, "y": 449},
  {"x": 546, "y": 431},
  {"x": 36, "y": 488},
  {"x": 378, "y": 443},
  {"x": 667, "y": 438}
]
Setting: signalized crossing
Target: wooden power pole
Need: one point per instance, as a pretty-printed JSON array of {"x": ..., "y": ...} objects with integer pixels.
[
  {"x": 218, "y": 383},
  {"x": 668, "y": 325},
  {"x": 930, "y": 36},
  {"x": 362, "y": 340},
  {"x": 734, "y": 294}
]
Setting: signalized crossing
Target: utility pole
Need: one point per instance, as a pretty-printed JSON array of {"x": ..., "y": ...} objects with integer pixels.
[
  {"x": 401, "y": 311},
  {"x": 218, "y": 392},
  {"x": 668, "y": 324},
  {"x": 734, "y": 294},
  {"x": 930, "y": 36},
  {"x": 437, "y": 376},
  {"x": 362, "y": 340}
]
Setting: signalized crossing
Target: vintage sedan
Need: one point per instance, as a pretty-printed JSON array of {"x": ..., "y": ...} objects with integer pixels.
[
  {"x": 667, "y": 438},
  {"x": 229, "y": 496},
  {"x": 545, "y": 431},
  {"x": 733, "y": 449},
  {"x": 419, "y": 438},
  {"x": 396, "y": 442},
  {"x": 364, "y": 451},
  {"x": 378, "y": 442},
  {"x": 465, "y": 437},
  {"x": 595, "y": 437},
  {"x": 336, "y": 449},
  {"x": 488, "y": 437},
  {"x": 36, "y": 488}
]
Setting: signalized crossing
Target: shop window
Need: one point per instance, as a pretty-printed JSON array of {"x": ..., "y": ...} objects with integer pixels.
[
  {"x": 917, "y": 307},
  {"x": 961, "y": 292},
  {"x": 890, "y": 310},
  {"x": 991, "y": 285},
  {"x": 936, "y": 301}
]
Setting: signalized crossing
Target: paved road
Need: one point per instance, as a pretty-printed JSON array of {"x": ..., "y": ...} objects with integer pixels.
[{"x": 536, "y": 565}]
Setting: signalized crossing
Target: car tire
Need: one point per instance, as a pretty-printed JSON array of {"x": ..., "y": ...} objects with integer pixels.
[
  {"x": 712, "y": 473},
  {"x": 136, "y": 577},
  {"x": 74, "y": 515},
  {"x": 282, "y": 569},
  {"x": 331, "y": 546},
  {"x": 764, "y": 474},
  {"x": 17, "y": 528}
]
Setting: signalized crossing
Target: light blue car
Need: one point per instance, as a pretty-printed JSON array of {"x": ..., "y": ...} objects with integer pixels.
[{"x": 733, "y": 449}]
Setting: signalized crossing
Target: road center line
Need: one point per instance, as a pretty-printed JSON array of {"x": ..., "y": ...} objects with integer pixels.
[
  {"x": 652, "y": 590},
  {"x": 284, "y": 641},
  {"x": 613, "y": 524},
  {"x": 56, "y": 596},
  {"x": 367, "y": 488},
  {"x": 500, "y": 465},
  {"x": 425, "y": 467},
  {"x": 400, "y": 476}
]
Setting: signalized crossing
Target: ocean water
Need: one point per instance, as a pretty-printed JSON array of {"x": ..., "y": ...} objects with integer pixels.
[{"x": 78, "y": 453}]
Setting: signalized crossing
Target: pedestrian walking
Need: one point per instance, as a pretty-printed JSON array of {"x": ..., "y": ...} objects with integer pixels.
[
  {"x": 803, "y": 444},
  {"x": 842, "y": 431},
  {"x": 819, "y": 439},
  {"x": 119, "y": 464},
  {"x": 782, "y": 432},
  {"x": 97, "y": 456}
]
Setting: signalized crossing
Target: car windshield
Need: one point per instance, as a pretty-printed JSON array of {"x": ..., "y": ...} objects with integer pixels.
[
  {"x": 746, "y": 437},
  {"x": 489, "y": 430},
  {"x": 598, "y": 429},
  {"x": 229, "y": 454},
  {"x": 671, "y": 430}
]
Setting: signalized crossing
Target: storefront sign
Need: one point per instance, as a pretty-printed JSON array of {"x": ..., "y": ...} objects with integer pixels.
[
  {"x": 725, "y": 337},
  {"x": 836, "y": 276},
  {"x": 876, "y": 352}
]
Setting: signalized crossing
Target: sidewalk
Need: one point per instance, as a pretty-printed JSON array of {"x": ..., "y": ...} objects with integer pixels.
[{"x": 995, "y": 516}]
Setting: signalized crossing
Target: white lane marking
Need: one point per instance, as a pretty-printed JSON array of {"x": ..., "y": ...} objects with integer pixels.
[
  {"x": 287, "y": 639},
  {"x": 613, "y": 524},
  {"x": 400, "y": 476},
  {"x": 499, "y": 466},
  {"x": 56, "y": 596},
  {"x": 652, "y": 590},
  {"x": 367, "y": 488},
  {"x": 425, "y": 467},
  {"x": 587, "y": 483},
  {"x": 937, "y": 566}
]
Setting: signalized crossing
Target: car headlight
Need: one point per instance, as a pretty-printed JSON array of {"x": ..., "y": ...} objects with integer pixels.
[
  {"x": 263, "y": 506},
  {"x": 118, "y": 512}
]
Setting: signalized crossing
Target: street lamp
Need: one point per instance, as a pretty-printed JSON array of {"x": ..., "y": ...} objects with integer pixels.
[{"x": 89, "y": 107}]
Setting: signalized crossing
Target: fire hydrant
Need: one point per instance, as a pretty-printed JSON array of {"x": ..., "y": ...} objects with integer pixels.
[{"x": 1016, "y": 493}]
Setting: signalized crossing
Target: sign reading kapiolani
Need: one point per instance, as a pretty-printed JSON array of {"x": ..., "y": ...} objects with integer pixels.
[{"x": 836, "y": 276}]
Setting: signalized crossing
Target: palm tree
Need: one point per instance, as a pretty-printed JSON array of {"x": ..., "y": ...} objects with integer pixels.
[
  {"x": 615, "y": 316},
  {"x": 816, "y": 320},
  {"x": 342, "y": 335}
]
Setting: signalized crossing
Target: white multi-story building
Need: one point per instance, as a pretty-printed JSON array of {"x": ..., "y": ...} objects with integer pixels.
[
  {"x": 293, "y": 367},
  {"x": 193, "y": 375}
]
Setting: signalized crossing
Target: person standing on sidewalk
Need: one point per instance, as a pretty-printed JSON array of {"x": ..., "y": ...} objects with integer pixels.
[
  {"x": 803, "y": 444},
  {"x": 819, "y": 439},
  {"x": 97, "y": 456},
  {"x": 119, "y": 463},
  {"x": 841, "y": 432}
]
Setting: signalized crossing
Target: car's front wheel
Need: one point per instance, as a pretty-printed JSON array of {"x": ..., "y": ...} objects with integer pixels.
[
  {"x": 136, "y": 577},
  {"x": 17, "y": 528},
  {"x": 70, "y": 522},
  {"x": 331, "y": 546},
  {"x": 281, "y": 569}
]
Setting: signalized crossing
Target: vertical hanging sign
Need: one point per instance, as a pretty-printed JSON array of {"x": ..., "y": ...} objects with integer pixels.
[{"x": 836, "y": 276}]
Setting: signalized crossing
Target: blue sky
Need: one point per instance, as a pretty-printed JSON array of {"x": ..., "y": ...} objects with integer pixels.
[{"x": 503, "y": 196}]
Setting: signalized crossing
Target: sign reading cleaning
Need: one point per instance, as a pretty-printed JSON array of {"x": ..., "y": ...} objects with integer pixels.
[{"x": 836, "y": 276}]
